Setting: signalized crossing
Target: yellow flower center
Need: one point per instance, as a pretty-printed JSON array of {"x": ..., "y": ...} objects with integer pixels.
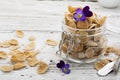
[
  {"x": 65, "y": 69},
  {"x": 79, "y": 15}
]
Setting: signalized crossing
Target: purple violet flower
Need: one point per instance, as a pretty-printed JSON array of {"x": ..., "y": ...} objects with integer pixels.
[
  {"x": 64, "y": 67},
  {"x": 80, "y": 15}
]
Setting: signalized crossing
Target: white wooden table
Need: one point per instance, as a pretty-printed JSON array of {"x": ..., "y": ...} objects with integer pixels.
[{"x": 43, "y": 19}]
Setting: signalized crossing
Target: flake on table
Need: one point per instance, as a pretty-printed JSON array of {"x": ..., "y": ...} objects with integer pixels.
[
  {"x": 31, "y": 38},
  {"x": 29, "y": 46},
  {"x": 42, "y": 68},
  {"x": 30, "y": 54},
  {"x": 14, "y": 42},
  {"x": 32, "y": 61},
  {"x": 19, "y": 57},
  {"x": 5, "y": 44},
  {"x": 18, "y": 66},
  {"x": 51, "y": 42},
  {"x": 3, "y": 55},
  {"x": 14, "y": 47},
  {"x": 6, "y": 68},
  {"x": 19, "y": 33}
]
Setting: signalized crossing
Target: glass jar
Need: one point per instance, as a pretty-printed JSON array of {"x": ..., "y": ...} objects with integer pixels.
[{"x": 82, "y": 45}]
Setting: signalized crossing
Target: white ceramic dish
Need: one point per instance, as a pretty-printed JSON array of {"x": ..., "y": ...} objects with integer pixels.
[{"x": 109, "y": 3}]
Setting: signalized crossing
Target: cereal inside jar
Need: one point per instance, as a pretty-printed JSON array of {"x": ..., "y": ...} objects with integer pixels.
[{"x": 83, "y": 37}]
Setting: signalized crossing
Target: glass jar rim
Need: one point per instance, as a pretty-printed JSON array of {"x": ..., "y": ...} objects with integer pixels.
[{"x": 64, "y": 25}]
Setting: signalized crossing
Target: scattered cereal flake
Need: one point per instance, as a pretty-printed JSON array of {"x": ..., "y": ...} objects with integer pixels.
[
  {"x": 14, "y": 42},
  {"x": 6, "y": 68},
  {"x": 100, "y": 64},
  {"x": 89, "y": 53},
  {"x": 42, "y": 68},
  {"x": 30, "y": 54},
  {"x": 81, "y": 55},
  {"x": 14, "y": 52},
  {"x": 31, "y": 38},
  {"x": 112, "y": 50},
  {"x": 19, "y": 33},
  {"x": 102, "y": 21},
  {"x": 19, "y": 65},
  {"x": 5, "y": 44},
  {"x": 91, "y": 43},
  {"x": 71, "y": 24},
  {"x": 82, "y": 25},
  {"x": 51, "y": 42},
  {"x": 29, "y": 46},
  {"x": 19, "y": 57},
  {"x": 14, "y": 47},
  {"x": 32, "y": 62},
  {"x": 78, "y": 47},
  {"x": 72, "y": 9},
  {"x": 3, "y": 55}
]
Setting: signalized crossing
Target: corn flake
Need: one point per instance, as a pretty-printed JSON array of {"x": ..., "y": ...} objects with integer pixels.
[
  {"x": 14, "y": 42},
  {"x": 19, "y": 57},
  {"x": 42, "y": 68},
  {"x": 6, "y": 68},
  {"x": 51, "y": 42},
  {"x": 5, "y": 44},
  {"x": 31, "y": 38},
  {"x": 32, "y": 62},
  {"x": 19, "y": 33},
  {"x": 3, "y": 55},
  {"x": 18, "y": 66},
  {"x": 29, "y": 46}
]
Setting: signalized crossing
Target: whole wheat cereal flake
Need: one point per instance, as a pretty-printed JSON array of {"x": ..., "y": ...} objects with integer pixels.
[
  {"x": 51, "y": 42},
  {"x": 32, "y": 61},
  {"x": 42, "y": 67},
  {"x": 14, "y": 47},
  {"x": 5, "y": 44},
  {"x": 19, "y": 57},
  {"x": 19, "y": 33},
  {"x": 3, "y": 55},
  {"x": 6, "y": 68},
  {"x": 71, "y": 24},
  {"x": 72, "y": 9},
  {"x": 91, "y": 43},
  {"x": 81, "y": 55},
  {"x": 14, "y": 42},
  {"x": 18, "y": 66},
  {"x": 31, "y": 38},
  {"x": 82, "y": 25},
  {"x": 30, "y": 54},
  {"x": 29, "y": 46},
  {"x": 14, "y": 52},
  {"x": 89, "y": 53},
  {"x": 100, "y": 64}
]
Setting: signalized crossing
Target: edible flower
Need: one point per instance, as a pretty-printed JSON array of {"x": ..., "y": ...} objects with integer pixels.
[
  {"x": 64, "y": 67},
  {"x": 81, "y": 14}
]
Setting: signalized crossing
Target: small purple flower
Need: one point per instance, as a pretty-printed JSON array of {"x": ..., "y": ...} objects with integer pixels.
[
  {"x": 80, "y": 15},
  {"x": 64, "y": 67}
]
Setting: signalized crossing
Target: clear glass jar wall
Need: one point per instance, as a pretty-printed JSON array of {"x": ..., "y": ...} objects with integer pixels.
[{"x": 82, "y": 45}]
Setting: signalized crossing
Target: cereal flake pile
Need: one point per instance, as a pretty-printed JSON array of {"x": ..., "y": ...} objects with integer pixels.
[{"x": 20, "y": 58}]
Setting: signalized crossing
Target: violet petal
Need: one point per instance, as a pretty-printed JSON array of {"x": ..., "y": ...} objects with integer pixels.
[
  {"x": 62, "y": 62},
  {"x": 67, "y": 65},
  {"x": 86, "y": 9},
  {"x": 83, "y": 18},
  {"x": 59, "y": 65},
  {"x": 89, "y": 14},
  {"x": 79, "y": 11}
]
